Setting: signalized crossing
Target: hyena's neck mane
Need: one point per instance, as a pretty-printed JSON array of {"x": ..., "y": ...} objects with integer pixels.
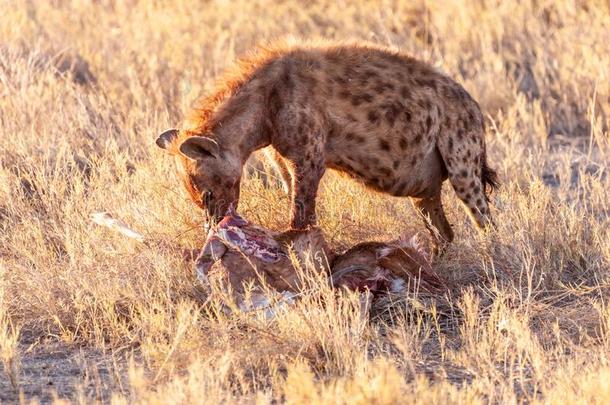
[{"x": 234, "y": 112}]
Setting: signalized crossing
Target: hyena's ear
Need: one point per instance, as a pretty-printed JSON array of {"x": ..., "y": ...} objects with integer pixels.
[
  {"x": 167, "y": 138},
  {"x": 199, "y": 147}
]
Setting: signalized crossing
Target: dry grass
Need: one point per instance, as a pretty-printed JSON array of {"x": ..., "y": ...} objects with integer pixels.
[
  {"x": 528, "y": 319},
  {"x": 9, "y": 341}
]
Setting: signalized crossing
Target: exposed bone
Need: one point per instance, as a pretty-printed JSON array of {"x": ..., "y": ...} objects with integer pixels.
[{"x": 105, "y": 219}]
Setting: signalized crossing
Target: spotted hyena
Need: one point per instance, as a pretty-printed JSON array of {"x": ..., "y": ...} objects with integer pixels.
[{"x": 389, "y": 120}]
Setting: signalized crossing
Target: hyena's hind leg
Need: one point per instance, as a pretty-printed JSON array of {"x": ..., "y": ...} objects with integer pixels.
[
  {"x": 431, "y": 211},
  {"x": 469, "y": 174}
]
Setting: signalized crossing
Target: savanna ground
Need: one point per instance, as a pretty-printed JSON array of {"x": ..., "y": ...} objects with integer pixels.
[{"x": 86, "y": 314}]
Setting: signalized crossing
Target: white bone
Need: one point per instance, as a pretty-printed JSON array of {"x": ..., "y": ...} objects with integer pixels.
[{"x": 105, "y": 219}]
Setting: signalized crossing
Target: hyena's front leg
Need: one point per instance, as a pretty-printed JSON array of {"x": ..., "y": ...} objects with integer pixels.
[
  {"x": 300, "y": 140},
  {"x": 306, "y": 177}
]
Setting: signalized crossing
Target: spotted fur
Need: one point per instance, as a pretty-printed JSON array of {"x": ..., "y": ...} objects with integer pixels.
[{"x": 391, "y": 121}]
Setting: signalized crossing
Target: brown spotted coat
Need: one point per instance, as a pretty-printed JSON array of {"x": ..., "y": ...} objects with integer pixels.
[{"x": 391, "y": 121}]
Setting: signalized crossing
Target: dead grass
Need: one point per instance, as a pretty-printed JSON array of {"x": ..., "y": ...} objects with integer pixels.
[{"x": 528, "y": 317}]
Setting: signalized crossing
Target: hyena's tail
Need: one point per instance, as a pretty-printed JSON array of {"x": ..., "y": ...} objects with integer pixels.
[{"x": 489, "y": 177}]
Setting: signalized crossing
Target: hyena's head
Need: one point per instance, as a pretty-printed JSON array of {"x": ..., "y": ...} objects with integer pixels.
[{"x": 210, "y": 173}]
